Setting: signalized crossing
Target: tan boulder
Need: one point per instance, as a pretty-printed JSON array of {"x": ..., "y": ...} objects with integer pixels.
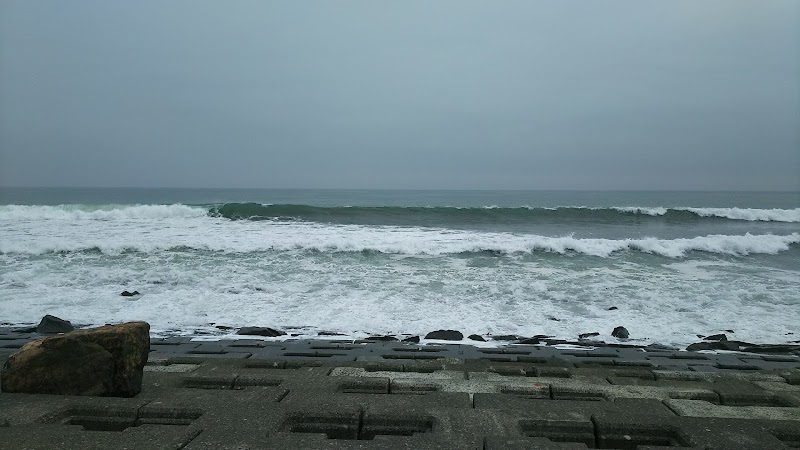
[{"x": 107, "y": 360}]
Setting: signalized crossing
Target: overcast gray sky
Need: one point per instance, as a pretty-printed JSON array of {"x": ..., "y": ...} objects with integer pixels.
[{"x": 405, "y": 94}]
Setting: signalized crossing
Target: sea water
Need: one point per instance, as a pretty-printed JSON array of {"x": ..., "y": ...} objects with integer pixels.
[{"x": 359, "y": 262}]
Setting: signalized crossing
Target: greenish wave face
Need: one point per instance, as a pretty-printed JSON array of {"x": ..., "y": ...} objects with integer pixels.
[{"x": 584, "y": 221}]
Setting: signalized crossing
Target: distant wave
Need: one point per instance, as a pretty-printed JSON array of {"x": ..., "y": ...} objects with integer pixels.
[
  {"x": 397, "y": 215},
  {"x": 435, "y": 215},
  {"x": 99, "y": 212},
  {"x": 418, "y": 242},
  {"x": 749, "y": 214}
]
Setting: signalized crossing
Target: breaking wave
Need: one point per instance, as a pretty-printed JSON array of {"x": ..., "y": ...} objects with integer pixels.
[
  {"x": 395, "y": 215},
  {"x": 490, "y": 214},
  {"x": 407, "y": 241},
  {"x": 99, "y": 212}
]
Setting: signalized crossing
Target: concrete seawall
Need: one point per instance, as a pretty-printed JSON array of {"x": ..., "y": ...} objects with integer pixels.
[{"x": 238, "y": 394}]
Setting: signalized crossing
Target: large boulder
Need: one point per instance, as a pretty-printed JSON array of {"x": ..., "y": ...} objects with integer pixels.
[{"x": 104, "y": 361}]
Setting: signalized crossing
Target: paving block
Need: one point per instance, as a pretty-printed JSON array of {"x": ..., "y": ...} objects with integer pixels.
[
  {"x": 700, "y": 408},
  {"x": 569, "y": 430},
  {"x": 58, "y": 437},
  {"x": 700, "y": 376},
  {"x": 529, "y": 443}
]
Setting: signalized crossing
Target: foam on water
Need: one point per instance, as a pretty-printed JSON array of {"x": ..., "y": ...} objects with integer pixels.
[
  {"x": 154, "y": 229},
  {"x": 111, "y": 212},
  {"x": 357, "y": 293},
  {"x": 195, "y": 270},
  {"x": 23, "y": 213},
  {"x": 749, "y": 214}
]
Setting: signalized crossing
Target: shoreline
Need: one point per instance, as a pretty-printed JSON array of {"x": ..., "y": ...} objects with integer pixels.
[{"x": 12, "y": 338}]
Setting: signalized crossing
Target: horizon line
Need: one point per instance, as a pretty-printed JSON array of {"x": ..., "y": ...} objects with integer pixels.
[{"x": 402, "y": 189}]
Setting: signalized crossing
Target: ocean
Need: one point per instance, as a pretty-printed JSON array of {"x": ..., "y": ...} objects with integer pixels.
[{"x": 675, "y": 265}]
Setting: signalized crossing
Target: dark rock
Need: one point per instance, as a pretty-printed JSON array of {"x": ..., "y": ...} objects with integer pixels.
[
  {"x": 52, "y": 325},
  {"x": 554, "y": 319},
  {"x": 330, "y": 333},
  {"x": 620, "y": 332},
  {"x": 385, "y": 338},
  {"x": 529, "y": 341},
  {"x": 412, "y": 339},
  {"x": 716, "y": 337},
  {"x": 104, "y": 361},
  {"x": 445, "y": 335},
  {"x": 260, "y": 331},
  {"x": 507, "y": 337},
  {"x": 223, "y": 327},
  {"x": 728, "y": 331},
  {"x": 129, "y": 294},
  {"x": 613, "y": 308},
  {"x": 713, "y": 345},
  {"x": 475, "y": 337},
  {"x": 586, "y": 335}
]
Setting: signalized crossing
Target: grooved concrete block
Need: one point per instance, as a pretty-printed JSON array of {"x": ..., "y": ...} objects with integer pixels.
[{"x": 699, "y": 408}]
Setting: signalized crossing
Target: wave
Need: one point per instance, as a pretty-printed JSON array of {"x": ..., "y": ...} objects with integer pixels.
[
  {"x": 397, "y": 215},
  {"x": 99, "y": 212},
  {"x": 748, "y": 214},
  {"x": 410, "y": 241}
]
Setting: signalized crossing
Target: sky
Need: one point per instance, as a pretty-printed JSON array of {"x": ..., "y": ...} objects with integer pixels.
[{"x": 456, "y": 94}]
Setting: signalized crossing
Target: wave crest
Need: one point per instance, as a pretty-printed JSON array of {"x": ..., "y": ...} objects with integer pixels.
[
  {"x": 99, "y": 212},
  {"x": 406, "y": 241},
  {"x": 394, "y": 215},
  {"x": 412, "y": 215}
]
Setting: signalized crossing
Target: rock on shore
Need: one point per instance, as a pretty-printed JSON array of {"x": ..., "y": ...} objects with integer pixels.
[
  {"x": 620, "y": 332},
  {"x": 260, "y": 331},
  {"x": 104, "y": 361},
  {"x": 53, "y": 325},
  {"x": 445, "y": 335}
]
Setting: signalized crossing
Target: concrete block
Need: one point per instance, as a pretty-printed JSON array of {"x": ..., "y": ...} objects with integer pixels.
[
  {"x": 573, "y": 431},
  {"x": 699, "y": 408},
  {"x": 700, "y": 376},
  {"x": 534, "y": 443}
]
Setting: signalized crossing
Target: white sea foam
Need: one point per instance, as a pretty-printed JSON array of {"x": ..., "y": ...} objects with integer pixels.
[
  {"x": 221, "y": 235},
  {"x": 397, "y": 294},
  {"x": 748, "y": 214},
  {"x": 641, "y": 210},
  {"x": 97, "y": 212}
]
